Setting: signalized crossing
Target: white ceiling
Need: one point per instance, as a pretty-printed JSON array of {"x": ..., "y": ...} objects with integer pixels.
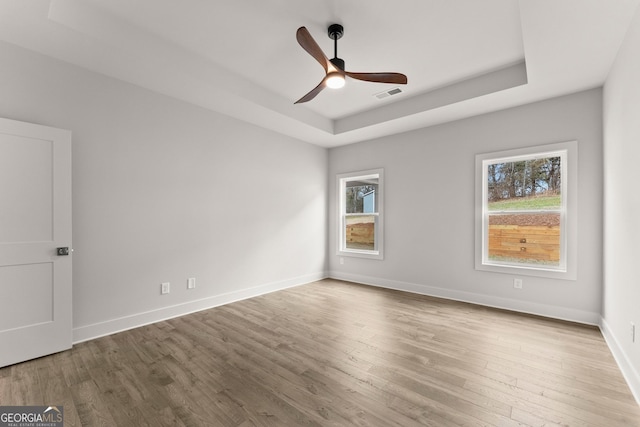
[{"x": 241, "y": 58}]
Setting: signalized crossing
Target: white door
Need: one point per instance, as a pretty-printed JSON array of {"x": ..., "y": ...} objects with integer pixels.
[{"x": 35, "y": 220}]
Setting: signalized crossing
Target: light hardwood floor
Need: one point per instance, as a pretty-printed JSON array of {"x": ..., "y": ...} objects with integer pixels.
[{"x": 335, "y": 354}]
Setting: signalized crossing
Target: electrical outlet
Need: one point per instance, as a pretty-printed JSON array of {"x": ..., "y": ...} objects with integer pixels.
[
  {"x": 517, "y": 283},
  {"x": 632, "y": 331},
  {"x": 341, "y": 261},
  {"x": 164, "y": 288},
  {"x": 191, "y": 283}
]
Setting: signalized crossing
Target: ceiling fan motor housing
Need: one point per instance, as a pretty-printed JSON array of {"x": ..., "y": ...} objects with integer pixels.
[{"x": 338, "y": 62}]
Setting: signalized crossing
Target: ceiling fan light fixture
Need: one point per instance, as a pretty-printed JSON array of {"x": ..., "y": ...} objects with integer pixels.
[{"x": 335, "y": 80}]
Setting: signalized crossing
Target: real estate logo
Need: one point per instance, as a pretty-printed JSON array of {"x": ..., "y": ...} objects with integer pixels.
[{"x": 31, "y": 416}]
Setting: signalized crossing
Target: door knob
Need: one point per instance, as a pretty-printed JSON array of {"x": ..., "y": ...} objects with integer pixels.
[{"x": 62, "y": 251}]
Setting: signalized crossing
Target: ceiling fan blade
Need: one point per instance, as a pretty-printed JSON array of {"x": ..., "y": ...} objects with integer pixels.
[
  {"x": 396, "y": 78},
  {"x": 309, "y": 44},
  {"x": 315, "y": 91}
]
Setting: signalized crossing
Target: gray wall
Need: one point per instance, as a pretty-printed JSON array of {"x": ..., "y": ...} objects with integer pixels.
[
  {"x": 429, "y": 207},
  {"x": 622, "y": 206},
  {"x": 164, "y": 191}
]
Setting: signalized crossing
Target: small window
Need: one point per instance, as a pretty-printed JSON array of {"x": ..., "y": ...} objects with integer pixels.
[
  {"x": 525, "y": 216},
  {"x": 360, "y": 214}
]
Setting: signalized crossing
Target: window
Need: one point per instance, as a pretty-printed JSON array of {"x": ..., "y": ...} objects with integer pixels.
[
  {"x": 525, "y": 222},
  {"x": 360, "y": 214}
]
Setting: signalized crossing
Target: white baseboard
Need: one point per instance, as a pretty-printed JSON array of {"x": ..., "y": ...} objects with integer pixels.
[
  {"x": 96, "y": 330},
  {"x": 628, "y": 371},
  {"x": 552, "y": 311}
]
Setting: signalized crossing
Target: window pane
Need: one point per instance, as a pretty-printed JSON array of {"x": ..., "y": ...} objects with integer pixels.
[
  {"x": 361, "y": 196},
  {"x": 525, "y": 238},
  {"x": 532, "y": 184},
  {"x": 360, "y": 232}
]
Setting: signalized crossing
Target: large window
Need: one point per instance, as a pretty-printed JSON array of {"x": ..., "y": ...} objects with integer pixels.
[
  {"x": 360, "y": 214},
  {"x": 525, "y": 215}
]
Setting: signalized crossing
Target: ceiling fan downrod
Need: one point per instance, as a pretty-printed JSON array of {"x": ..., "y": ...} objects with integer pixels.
[{"x": 336, "y": 32}]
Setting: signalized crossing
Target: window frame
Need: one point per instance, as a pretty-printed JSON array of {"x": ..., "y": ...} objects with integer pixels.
[
  {"x": 341, "y": 180},
  {"x": 567, "y": 270}
]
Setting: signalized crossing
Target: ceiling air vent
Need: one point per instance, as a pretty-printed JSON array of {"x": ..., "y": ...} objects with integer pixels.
[{"x": 388, "y": 93}]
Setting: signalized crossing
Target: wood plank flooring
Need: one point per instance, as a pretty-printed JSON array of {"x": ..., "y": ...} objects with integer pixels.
[{"x": 333, "y": 353}]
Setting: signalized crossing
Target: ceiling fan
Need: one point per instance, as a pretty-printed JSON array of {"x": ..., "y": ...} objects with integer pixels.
[{"x": 334, "y": 68}]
